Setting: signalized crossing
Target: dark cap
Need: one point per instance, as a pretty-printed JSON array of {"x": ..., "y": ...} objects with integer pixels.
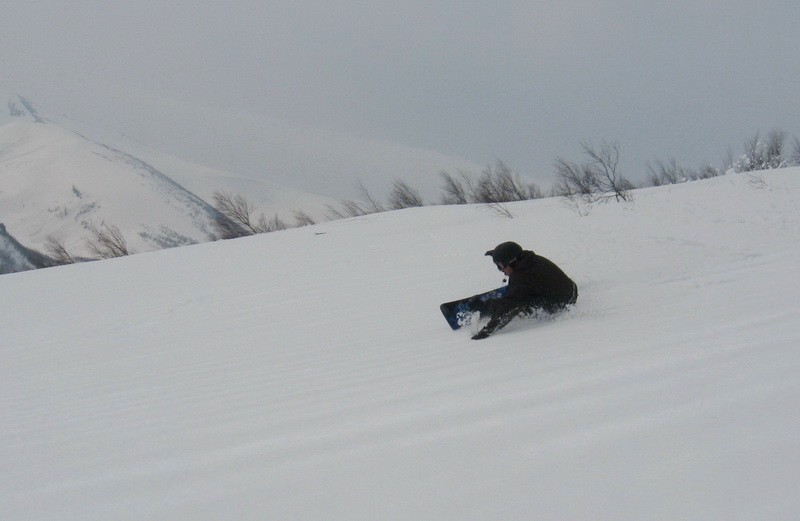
[{"x": 505, "y": 253}]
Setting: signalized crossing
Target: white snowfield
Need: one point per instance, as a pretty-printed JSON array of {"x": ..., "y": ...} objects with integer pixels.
[{"x": 308, "y": 374}]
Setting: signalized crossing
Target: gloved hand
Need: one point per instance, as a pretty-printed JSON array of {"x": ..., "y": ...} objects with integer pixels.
[{"x": 476, "y": 304}]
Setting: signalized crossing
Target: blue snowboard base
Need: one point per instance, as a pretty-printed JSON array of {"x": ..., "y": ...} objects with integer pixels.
[{"x": 459, "y": 312}]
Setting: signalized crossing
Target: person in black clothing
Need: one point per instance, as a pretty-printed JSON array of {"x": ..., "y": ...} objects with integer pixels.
[{"x": 534, "y": 283}]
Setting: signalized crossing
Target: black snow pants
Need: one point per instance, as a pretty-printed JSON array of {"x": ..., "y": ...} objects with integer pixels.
[{"x": 502, "y": 310}]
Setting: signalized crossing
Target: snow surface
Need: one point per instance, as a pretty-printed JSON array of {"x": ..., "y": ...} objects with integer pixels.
[{"x": 308, "y": 374}]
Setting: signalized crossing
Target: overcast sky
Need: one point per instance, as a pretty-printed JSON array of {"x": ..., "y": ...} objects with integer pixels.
[{"x": 520, "y": 81}]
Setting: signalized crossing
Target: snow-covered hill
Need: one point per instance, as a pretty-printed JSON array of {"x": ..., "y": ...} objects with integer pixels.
[
  {"x": 56, "y": 183},
  {"x": 308, "y": 374}
]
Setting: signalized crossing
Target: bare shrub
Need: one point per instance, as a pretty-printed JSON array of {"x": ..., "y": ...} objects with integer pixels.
[
  {"x": 501, "y": 185},
  {"x": 346, "y": 209},
  {"x": 226, "y": 228},
  {"x": 751, "y": 159},
  {"x": 273, "y": 225},
  {"x": 573, "y": 179},
  {"x": 762, "y": 155},
  {"x": 234, "y": 218},
  {"x": 669, "y": 173},
  {"x": 708, "y": 171},
  {"x": 597, "y": 179},
  {"x": 494, "y": 187},
  {"x": 455, "y": 190},
  {"x": 403, "y": 196},
  {"x": 301, "y": 218},
  {"x": 350, "y": 208},
  {"x": 106, "y": 242},
  {"x": 58, "y": 252},
  {"x": 372, "y": 205},
  {"x": 775, "y": 149}
]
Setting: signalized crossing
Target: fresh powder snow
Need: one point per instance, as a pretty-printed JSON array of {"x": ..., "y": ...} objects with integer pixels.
[{"x": 308, "y": 374}]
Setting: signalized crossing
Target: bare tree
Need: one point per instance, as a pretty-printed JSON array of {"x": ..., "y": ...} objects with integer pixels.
[
  {"x": 350, "y": 208},
  {"x": 273, "y": 225},
  {"x": 708, "y": 171},
  {"x": 670, "y": 173},
  {"x": 495, "y": 185},
  {"x": 301, "y": 218},
  {"x": 598, "y": 178},
  {"x": 58, "y": 252},
  {"x": 234, "y": 218},
  {"x": 226, "y": 228},
  {"x": 372, "y": 204},
  {"x": 775, "y": 149},
  {"x": 573, "y": 179},
  {"x": 106, "y": 242},
  {"x": 403, "y": 196},
  {"x": 501, "y": 185},
  {"x": 751, "y": 158},
  {"x": 605, "y": 162},
  {"x": 347, "y": 209},
  {"x": 455, "y": 190},
  {"x": 759, "y": 155}
]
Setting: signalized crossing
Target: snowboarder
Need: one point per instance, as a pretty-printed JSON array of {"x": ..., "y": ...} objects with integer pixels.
[{"x": 534, "y": 283}]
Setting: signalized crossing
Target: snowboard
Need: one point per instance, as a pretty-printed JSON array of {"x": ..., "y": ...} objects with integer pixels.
[{"x": 458, "y": 313}]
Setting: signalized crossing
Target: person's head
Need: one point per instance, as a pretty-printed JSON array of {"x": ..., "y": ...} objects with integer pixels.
[{"x": 505, "y": 255}]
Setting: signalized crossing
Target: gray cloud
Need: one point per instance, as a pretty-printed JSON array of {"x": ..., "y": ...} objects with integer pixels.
[{"x": 522, "y": 81}]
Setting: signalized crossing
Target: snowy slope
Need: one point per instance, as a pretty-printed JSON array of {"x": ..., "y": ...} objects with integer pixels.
[{"x": 307, "y": 374}]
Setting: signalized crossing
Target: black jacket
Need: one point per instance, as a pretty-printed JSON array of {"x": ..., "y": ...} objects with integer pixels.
[{"x": 536, "y": 276}]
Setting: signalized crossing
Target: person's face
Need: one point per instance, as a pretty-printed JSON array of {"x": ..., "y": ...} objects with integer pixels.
[{"x": 506, "y": 269}]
